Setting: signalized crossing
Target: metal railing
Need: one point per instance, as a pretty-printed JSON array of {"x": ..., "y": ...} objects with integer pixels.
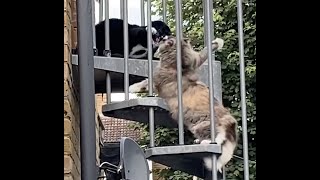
[{"x": 86, "y": 41}]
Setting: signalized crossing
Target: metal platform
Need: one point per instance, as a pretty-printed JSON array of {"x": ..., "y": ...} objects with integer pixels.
[
  {"x": 138, "y": 109},
  {"x": 186, "y": 158},
  {"x": 138, "y": 71}
]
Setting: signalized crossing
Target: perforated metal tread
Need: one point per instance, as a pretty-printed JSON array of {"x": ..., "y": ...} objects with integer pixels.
[
  {"x": 138, "y": 110},
  {"x": 138, "y": 70},
  {"x": 186, "y": 158}
]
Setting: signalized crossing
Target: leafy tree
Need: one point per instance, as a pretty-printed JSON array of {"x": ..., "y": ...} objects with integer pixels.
[{"x": 225, "y": 26}]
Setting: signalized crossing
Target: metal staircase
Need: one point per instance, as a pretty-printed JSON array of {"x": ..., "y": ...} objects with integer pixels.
[
  {"x": 181, "y": 157},
  {"x": 110, "y": 74}
]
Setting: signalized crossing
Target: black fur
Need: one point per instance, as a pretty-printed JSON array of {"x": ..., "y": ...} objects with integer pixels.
[{"x": 137, "y": 35}]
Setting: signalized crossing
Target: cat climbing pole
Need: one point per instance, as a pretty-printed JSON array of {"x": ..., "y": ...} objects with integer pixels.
[{"x": 98, "y": 72}]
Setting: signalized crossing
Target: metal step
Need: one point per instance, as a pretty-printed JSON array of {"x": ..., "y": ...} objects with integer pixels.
[
  {"x": 138, "y": 70},
  {"x": 186, "y": 158},
  {"x": 138, "y": 110}
]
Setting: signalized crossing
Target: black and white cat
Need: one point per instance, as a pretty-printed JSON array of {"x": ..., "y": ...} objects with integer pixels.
[{"x": 138, "y": 38}]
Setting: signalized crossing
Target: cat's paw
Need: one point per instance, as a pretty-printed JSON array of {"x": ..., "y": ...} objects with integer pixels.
[
  {"x": 196, "y": 141},
  {"x": 205, "y": 141},
  {"x": 139, "y": 87},
  {"x": 217, "y": 44},
  {"x": 134, "y": 88}
]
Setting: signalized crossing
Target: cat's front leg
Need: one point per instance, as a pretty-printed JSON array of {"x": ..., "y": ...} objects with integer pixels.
[
  {"x": 139, "y": 87},
  {"x": 217, "y": 44}
]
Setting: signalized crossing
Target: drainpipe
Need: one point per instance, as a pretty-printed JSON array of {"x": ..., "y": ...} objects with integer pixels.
[{"x": 86, "y": 76}]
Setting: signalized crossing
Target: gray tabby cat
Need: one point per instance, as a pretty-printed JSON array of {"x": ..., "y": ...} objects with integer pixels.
[{"x": 195, "y": 97}]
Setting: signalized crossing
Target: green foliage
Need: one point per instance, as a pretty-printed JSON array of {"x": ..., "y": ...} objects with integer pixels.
[
  {"x": 169, "y": 174},
  {"x": 225, "y": 27}
]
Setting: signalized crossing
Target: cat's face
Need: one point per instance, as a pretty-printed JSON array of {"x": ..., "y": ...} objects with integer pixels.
[{"x": 168, "y": 45}]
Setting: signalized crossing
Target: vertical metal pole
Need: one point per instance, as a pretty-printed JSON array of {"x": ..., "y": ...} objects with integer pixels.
[
  {"x": 178, "y": 11},
  {"x": 205, "y": 29},
  {"x": 87, "y": 104},
  {"x": 93, "y": 26},
  {"x": 107, "y": 49},
  {"x": 121, "y": 9},
  {"x": 208, "y": 21},
  {"x": 164, "y": 11},
  {"x": 126, "y": 48},
  {"x": 107, "y": 26},
  {"x": 224, "y": 173},
  {"x": 108, "y": 87},
  {"x": 143, "y": 23},
  {"x": 101, "y": 10},
  {"x": 150, "y": 71},
  {"x": 243, "y": 91}
]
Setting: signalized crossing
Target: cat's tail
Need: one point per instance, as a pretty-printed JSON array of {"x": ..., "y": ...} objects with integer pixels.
[{"x": 227, "y": 148}]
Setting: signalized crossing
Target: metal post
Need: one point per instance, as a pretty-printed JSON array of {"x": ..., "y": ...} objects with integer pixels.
[
  {"x": 93, "y": 27},
  {"x": 126, "y": 47},
  {"x": 108, "y": 87},
  {"x": 178, "y": 11},
  {"x": 107, "y": 48},
  {"x": 205, "y": 25},
  {"x": 243, "y": 91},
  {"x": 121, "y": 9},
  {"x": 164, "y": 11},
  {"x": 208, "y": 21},
  {"x": 107, "y": 29},
  {"x": 87, "y": 104},
  {"x": 101, "y": 10},
  {"x": 143, "y": 23},
  {"x": 150, "y": 71}
]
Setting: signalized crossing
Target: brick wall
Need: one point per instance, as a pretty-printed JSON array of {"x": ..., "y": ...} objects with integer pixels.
[
  {"x": 71, "y": 106},
  {"x": 74, "y": 24},
  {"x": 72, "y": 166},
  {"x": 71, "y": 111}
]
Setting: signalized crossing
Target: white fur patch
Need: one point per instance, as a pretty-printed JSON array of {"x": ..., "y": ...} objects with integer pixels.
[
  {"x": 207, "y": 160},
  {"x": 153, "y": 30},
  {"x": 137, "y": 87},
  {"x": 226, "y": 155},
  {"x": 218, "y": 43},
  {"x": 138, "y": 48},
  {"x": 220, "y": 138}
]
